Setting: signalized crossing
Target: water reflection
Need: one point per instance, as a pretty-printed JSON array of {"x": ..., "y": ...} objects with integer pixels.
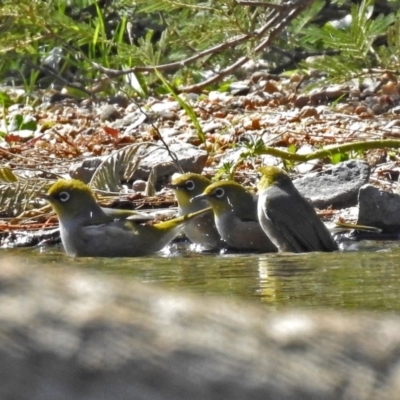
[
  {"x": 368, "y": 278},
  {"x": 356, "y": 280}
]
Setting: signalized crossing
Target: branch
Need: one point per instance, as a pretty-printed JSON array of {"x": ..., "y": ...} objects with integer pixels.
[
  {"x": 341, "y": 148},
  {"x": 276, "y": 14},
  {"x": 112, "y": 73},
  {"x": 281, "y": 21},
  {"x": 54, "y": 74},
  {"x": 261, "y": 4}
]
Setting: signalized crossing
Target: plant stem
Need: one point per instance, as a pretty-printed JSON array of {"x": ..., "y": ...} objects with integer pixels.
[{"x": 340, "y": 148}]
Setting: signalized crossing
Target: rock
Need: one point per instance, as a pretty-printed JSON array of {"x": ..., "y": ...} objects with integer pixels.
[
  {"x": 68, "y": 334},
  {"x": 58, "y": 97},
  {"x": 168, "y": 116},
  {"x": 257, "y": 76},
  {"x": 212, "y": 126},
  {"x": 139, "y": 186},
  {"x": 84, "y": 170},
  {"x": 119, "y": 100},
  {"x": 301, "y": 101},
  {"x": 308, "y": 111},
  {"x": 337, "y": 187},
  {"x": 240, "y": 91},
  {"x": 163, "y": 106},
  {"x": 379, "y": 208},
  {"x": 191, "y": 159},
  {"x": 109, "y": 113},
  {"x": 131, "y": 120}
]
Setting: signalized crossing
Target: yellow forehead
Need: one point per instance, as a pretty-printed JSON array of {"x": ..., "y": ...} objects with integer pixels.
[
  {"x": 227, "y": 185},
  {"x": 271, "y": 174},
  {"x": 68, "y": 185},
  {"x": 180, "y": 179}
]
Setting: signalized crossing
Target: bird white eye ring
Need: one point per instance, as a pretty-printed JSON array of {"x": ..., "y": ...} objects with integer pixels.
[
  {"x": 219, "y": 193},
  {"x": 64, "y": 197},
  {"x": 190, "y": 185}
]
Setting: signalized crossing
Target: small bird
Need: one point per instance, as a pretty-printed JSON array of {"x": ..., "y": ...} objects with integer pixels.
[
  {"x": 88, "y": 230},
  {"x": 200, "y": 230},
  {"x": 235, "y": 214},
  {"x": 287, "y": 217}
]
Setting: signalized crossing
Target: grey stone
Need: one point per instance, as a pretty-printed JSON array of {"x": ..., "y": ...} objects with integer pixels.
[
  {"x": 68, "y": 334},
  {"x": 379, "y": 208},
  {"x": 168, "y": 116},
  {"x": 109, "y": 113},
  {"x": 131, "y": 121},
  {"x": 119, "y": 100},
  {"x": 212, "y": 127},
  {"x": 190, "y": 158},
  {"x": 337, "y": 187},
  {"x": 139, "y": 186},
  {"x": 84, "y": 170}
]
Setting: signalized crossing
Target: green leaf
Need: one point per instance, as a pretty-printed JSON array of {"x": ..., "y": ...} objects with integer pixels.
[
  {"x": 5, "y": 100},
  {"x": 187, "y": 107},
  {"x": 28, "y": 123},
  {"x": 7, "y": 176},
  {"x": 339, "y": 157}
]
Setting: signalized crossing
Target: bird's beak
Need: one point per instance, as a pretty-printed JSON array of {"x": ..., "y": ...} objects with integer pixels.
[{"x": 199, "y": 198}]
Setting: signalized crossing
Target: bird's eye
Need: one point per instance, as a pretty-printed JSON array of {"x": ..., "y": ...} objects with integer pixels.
[
  {"x": 219, "y": 193},
  {"x": 64, "y": 197},
  {"x": 190, "y": 185}
]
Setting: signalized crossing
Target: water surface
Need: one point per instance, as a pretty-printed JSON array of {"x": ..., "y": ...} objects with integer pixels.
[{"x": 365, "y": 279}]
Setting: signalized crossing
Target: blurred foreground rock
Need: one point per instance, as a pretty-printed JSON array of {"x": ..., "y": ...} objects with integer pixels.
[{"x": 66, "y": 335}]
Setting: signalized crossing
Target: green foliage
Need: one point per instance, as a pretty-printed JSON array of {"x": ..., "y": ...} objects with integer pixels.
[
  {"x": 354, "y": 39},
  {"x": 339, "y": 157},
  {"x": 391, "y": 53},
  {"x": 126, "y": 34},
  {"x": 186, "y": 106},
  {"x": 226, "y": 171},
  {"x": 25, "y": 25},
  {"x": 303, "y": 21},
  {"x": 18, "y": 122},
  {"x": 289, "y": 165},
  {"x": 249, "y": 149},
  {"x": 252, "y": 147},
  {"x": 173, "y": 31},
  {"x": 5, "y": 100}
]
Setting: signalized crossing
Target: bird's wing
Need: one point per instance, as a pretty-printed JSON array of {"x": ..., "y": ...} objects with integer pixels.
[
  {"x": 114, "y": 221},
  {"x": 294, "y": 218},
  {"x": 282, "y": 223},
  {"x": 115, "y": 229},
  {"x": 322, "y": 236},
  {"x": 247, "y": 212},
  {"x": 98, "y": 220},
  {"x": 127, "y": 214}
]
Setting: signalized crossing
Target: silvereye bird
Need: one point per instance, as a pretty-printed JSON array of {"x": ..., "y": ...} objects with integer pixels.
[
  {"x": 92, "y": 231},
  {"x": 235, "y": 214},
  {"x": 200, "y": 230},
  {"x": 287, "y": 217}
]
